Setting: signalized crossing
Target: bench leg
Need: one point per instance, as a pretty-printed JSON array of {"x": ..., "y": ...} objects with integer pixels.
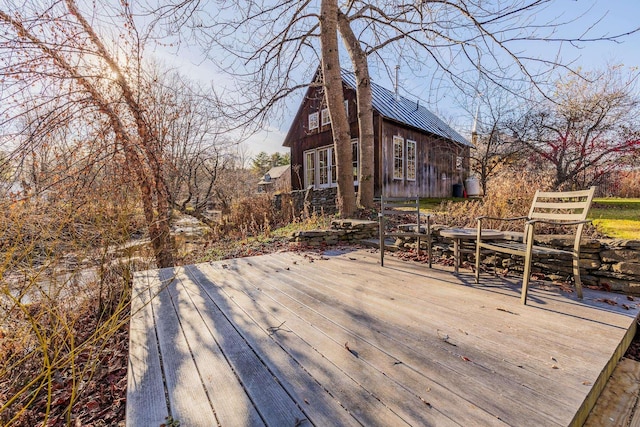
[
  {"x": 381, "y": 232},
  {"x": 525, "y": 279},
  {"x": 576, "y": 275},
  {"x": 477, "y": 263},
  {"x": 456, "y": 255}
]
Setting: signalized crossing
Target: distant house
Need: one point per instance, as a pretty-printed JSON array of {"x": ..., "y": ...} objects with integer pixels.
[
  {"x": 416, "y": 153},
  {"x": 276, "y": 179}
]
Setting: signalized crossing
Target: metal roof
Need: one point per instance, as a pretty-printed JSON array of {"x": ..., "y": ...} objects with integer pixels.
[{"x": 407, "y": 112}]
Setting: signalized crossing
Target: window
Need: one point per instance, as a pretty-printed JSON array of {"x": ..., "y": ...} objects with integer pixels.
[
  {"x": 459, "y": 163},
  {"x": 320, "y": 166},
  {"x": 324, "y": 167},
  {"x": 354, "y": 152},
  {"x": 346, "y": 108},
  {"x": 309, "y": 168},
  {"x": 326, "y": 120},
  {"x": 411, "y": 160},
  {"x": 313, "y": 121},
  {"x": 398, "y": 157}
]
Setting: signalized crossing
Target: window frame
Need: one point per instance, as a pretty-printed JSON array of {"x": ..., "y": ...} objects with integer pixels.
[
  {"x": 398, "y": 161},
  {"x": 307, "y": 176},
  {"x": 314, "y": 121},
  {"x": 329, "y": 170},
  {"x": 325, "y": 118},
  {"x": 411, "y": 163}
]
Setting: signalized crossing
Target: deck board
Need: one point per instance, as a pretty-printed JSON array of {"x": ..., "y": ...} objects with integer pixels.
[{"x": 304, "y": 339}]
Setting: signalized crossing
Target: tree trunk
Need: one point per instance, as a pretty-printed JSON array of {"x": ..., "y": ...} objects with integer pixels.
[
  {"x": 335, "y": 96},
  {"x": 365, "y": 113}
]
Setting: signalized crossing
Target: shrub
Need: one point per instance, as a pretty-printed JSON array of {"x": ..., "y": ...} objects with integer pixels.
[{"x": 510, "y": 196}]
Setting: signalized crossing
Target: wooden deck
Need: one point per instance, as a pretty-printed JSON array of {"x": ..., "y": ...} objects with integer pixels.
[{"x": 299, "y": 339}]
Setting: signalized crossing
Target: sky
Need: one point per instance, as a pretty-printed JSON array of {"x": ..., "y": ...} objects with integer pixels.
[{"x": 600, "y": 18}]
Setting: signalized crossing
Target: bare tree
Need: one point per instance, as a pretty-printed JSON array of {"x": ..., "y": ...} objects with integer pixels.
[
  {"x": 52, "y": 56},
  {"x": 332, "y": 81},
  {"x": 588, "y": 131},
  {"x": 449, "y": 42},
  {"x": 194, "y": 146}
]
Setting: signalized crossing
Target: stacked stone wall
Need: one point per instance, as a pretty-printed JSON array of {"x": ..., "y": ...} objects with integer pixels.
[
  {"x": 342, "y": 231},
  {"x": 320, "y": 201}
]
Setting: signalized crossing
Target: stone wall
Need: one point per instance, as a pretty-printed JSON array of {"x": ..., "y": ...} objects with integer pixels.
[
  {"x": 342, "y": 231},
  {"x": 320, "y": 201},
  {"x": 606, "y": 263}
]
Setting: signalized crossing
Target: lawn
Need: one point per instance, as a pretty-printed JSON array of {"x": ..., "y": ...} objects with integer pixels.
[{"x": 617, "y": 218}]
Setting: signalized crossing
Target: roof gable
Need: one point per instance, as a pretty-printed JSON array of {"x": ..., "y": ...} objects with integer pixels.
[{"x": 407, "y": 112}]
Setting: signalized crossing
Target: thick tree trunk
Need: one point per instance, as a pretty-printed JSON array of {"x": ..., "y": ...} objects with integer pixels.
[
  {"x": 365, "y": 113},
  {"x": 335, "y": 96}
]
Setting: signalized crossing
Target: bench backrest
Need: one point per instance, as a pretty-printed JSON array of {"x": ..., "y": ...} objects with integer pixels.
[
  {"x": 400, "y": 206},
  {"x": 564, "y": 206}
]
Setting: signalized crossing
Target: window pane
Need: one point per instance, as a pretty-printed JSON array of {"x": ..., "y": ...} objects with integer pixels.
[
  {"x": 310, "y": 169},
  {"x": 411, "y": 160},
  {"x": 313, "y": 121},
  {"x": 398, "y": 157},
  {"x": 325, "y": 117},
  {"x": 323, "y": 166},
  {"x": 334, "y": 170}
]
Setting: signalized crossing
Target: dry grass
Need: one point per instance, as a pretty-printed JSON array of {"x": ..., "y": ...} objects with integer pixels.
[
  {"x": 510, "y": 195},
  {"x": 63, "y": 311}
]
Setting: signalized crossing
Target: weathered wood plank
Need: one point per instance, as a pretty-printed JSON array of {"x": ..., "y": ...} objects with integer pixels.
[
  {"x": 399, "y": 279},
  {"x": 226, "y": 393},
  {"x": 416, "y": 397},
  {"x": 484, "y": 388},
  {"x": 366, "y": 407},
  {"x": 262, "y": 341},
  {"x": 188, "y": 401},
  {"x": 272, "y": 402},
  {"x": 146, "y": 403},
  {"x": 317, "y": 402}
]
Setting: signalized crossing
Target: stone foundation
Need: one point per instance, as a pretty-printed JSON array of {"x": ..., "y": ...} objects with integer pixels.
[{"x": 320, "y": 201}]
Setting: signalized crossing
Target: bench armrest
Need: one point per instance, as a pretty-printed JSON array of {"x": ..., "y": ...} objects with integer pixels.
[
  {"x": 502, "y": 219},
  {"x": 544, "y": 221}
]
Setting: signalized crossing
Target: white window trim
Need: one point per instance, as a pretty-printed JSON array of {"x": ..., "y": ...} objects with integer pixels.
[
  {"x": 313, "y": 121},
  {"x": 330, "y": 168},
  {"x": 319, "y": 183},
  {"x": 415, "y": 159},
  {"x": 306, "y": 168},
  {"x": 325, "y": 119},
  {"x": 398, "y": 140}
]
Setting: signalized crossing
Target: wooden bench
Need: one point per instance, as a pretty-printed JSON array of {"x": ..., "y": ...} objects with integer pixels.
[
  {"x": 568, "y": 208},
  {"x": 403, "y": 206}
]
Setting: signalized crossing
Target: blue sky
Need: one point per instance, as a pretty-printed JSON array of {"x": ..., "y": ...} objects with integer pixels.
[{"x": 600, "y": 18}]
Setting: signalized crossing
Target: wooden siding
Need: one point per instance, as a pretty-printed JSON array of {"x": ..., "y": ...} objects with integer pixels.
[
  {"x": 436, "y": 171},
  {"x": 301, "y": 139},
  {"x": 435, "y": 157}
]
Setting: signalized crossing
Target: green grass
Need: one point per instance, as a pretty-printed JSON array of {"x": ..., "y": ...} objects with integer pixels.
[{"x": 617, "y": 218}]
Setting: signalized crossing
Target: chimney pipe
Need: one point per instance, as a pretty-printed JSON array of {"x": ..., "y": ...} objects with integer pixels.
[{"x": 397, "y": 84}]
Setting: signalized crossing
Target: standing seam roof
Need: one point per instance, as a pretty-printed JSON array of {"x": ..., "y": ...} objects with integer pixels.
[{"x": 405, "y": 111}]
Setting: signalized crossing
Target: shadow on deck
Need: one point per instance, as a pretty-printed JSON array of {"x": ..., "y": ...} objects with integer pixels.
[{"x": 300, "y": 339}]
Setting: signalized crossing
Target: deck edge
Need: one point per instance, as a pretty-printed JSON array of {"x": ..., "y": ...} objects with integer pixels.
[{"x": 589, "y": 402}]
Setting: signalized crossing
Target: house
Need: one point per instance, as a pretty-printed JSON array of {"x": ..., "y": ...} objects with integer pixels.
[
  {"x": 277, "y": 178},
  {"x": 416, "y": 153}
]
